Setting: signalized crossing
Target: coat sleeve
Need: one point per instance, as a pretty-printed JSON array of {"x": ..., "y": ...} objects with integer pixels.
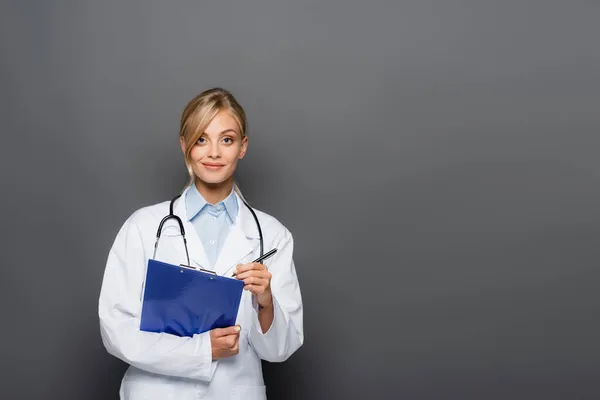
[
  {"x": 286, "y": 333},
  {"x": 119, "y": 309}
]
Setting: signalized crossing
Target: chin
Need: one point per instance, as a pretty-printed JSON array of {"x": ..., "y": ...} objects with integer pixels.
[{"x": 212, "y": 180}]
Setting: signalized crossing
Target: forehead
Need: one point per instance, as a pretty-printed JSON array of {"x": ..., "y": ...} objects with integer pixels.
[{"x": 223, "y": 121}]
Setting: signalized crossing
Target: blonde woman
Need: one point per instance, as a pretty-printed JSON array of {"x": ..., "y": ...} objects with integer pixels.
[{"x": 223, "y": 235}]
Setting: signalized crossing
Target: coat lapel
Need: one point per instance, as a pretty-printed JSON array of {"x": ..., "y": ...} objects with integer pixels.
[{"x": 241, "y": 241}]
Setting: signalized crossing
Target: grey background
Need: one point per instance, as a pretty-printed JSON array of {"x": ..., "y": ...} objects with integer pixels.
[{"x": 437, "y": 162}]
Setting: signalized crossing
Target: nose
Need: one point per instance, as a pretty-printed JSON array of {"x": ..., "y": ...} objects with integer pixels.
[{"x": 214, "y": 151}]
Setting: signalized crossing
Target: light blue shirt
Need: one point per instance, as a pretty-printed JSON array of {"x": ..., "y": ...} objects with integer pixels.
[{"x": 211, "y": 222}]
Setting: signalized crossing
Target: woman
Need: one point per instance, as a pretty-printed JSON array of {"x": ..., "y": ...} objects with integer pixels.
[{"x": 222, "y": 236}]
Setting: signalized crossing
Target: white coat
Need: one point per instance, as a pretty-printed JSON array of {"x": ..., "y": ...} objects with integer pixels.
[{"x": 164, "y": 366}]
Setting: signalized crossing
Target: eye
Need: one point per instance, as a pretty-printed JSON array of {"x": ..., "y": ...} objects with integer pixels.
[
  {"x": 228, "y": 140},
  {"x": 202, "y": 140}
]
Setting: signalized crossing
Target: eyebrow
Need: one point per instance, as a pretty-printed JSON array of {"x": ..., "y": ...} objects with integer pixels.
[{"x": 223, "y": 132}]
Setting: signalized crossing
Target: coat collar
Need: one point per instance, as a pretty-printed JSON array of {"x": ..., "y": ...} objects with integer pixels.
[{"x": 243, "y": 238}]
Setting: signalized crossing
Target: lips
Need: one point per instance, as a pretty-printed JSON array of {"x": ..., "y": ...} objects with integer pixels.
[{"x": 212, "y": 166}]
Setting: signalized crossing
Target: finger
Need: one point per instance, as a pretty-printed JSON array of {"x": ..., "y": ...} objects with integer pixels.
[
  {"x": 254, "y": 280},
  {"x": 227, "y": 341},
  {"x": 240, "y": 269},
  {"x": 255, "y": 289},
  {"x": 256, "y": 273},
  {"x": 248, "y": 267},
  {"x": 230, "y": 330}
]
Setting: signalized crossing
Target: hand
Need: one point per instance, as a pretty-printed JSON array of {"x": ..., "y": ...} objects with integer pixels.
[
  {"x": 225, "y": 341},
  {"x": 257, "y": 279}
]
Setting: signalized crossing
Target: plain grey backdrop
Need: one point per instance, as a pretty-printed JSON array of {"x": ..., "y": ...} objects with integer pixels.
[{"x": 437, "y": 162}]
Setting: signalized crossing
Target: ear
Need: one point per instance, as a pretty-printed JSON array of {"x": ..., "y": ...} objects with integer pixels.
[
  {"x": 244, "y": 147},
  {"x": 182, "y": 144}
]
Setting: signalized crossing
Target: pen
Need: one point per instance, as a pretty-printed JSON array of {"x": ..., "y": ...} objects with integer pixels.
[{"x": 262, "y": 258}]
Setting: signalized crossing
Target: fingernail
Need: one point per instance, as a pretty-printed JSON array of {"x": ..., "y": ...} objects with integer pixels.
[{"x": 237, "y": 328}]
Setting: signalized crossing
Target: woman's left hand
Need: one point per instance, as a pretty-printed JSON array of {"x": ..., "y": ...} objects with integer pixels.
[{"x": 257, "y": 279}]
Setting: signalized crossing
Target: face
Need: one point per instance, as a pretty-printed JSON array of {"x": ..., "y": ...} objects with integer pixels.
[{"x": 215, "y": 155}]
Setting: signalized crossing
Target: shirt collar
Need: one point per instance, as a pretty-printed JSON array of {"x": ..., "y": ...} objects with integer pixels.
[{"x": 195, "y": 203}]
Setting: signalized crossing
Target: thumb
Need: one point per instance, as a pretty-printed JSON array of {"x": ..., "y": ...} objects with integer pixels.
[{"x": 230, "y": 330}]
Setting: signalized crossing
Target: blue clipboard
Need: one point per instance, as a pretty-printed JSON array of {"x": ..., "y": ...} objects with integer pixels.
[{"x": 184, "y": 301}]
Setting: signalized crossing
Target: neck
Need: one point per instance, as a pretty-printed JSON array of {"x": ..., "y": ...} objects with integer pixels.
[{"x": 214, "y": 192}]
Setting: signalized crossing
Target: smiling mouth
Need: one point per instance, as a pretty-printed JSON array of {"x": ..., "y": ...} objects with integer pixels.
[{"x": 212, "y": 166}]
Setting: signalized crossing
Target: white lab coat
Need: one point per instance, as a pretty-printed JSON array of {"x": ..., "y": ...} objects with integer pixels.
[{"x": 164, "y": 366}]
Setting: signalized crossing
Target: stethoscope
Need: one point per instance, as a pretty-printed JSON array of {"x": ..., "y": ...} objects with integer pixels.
[{"x": 171, "y": 215}]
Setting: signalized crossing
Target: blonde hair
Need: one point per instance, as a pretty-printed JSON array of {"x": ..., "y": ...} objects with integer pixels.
[{"x": 197, "y": 115}]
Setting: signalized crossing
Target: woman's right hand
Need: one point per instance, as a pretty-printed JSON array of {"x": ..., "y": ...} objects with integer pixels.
[{"x": 225, "y": 341}]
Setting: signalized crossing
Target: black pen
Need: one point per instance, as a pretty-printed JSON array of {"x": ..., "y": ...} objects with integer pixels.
[{"x": 262, "y": 258}]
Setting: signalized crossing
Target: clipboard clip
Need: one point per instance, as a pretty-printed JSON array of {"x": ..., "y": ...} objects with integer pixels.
[{"x": 198, "y": 269}]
